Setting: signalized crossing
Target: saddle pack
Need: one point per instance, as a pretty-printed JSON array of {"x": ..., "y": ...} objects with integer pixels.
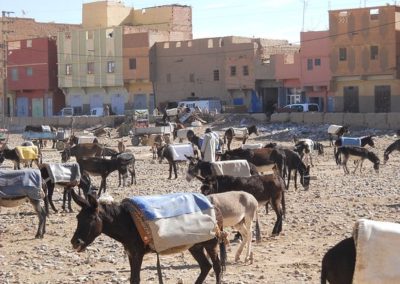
[{"x": 173, "y": 222}]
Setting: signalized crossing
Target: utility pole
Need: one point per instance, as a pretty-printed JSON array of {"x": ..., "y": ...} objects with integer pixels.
[{"x": 4, "y": 33}]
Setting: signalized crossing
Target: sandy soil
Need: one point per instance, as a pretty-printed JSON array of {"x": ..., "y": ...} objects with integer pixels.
[{"x": 315, "y": 220}]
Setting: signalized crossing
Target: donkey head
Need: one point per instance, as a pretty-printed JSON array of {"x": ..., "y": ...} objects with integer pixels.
[
  {"x": 65, "y": 155},
  {"x": 209, "y": 186},
  {"x": 193, "y": 168},
  {"x": 370, "y": 141},
  {"x": 90, "y": 224},
  {"x": 253, "y": 129},
  {"x": 305, "y": 178}
]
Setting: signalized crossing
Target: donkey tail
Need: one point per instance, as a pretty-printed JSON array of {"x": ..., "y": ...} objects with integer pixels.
[
  {"x": 283, "y": 204},
  {"x": 258, "y": 231}
]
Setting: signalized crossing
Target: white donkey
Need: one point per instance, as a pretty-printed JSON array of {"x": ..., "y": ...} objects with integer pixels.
[{"x": 238, "y": 210}]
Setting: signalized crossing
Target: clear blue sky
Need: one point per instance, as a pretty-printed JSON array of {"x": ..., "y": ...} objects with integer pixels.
[{"x": 278, "y": 19}]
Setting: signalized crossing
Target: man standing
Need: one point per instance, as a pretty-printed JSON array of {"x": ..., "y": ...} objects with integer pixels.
[{"x": 209, "y": 146}]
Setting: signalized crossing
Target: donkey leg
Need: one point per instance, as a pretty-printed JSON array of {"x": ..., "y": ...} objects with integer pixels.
[
  {"x": 276, "y": 205},
  {"x": 50, "y": 188},
  {"x": 64, "y": 199},
  {"x": 211, "y": 249},
  {"x": 69, "y": 199},
  {"x": 170, "y": 170},
  {"x": 42, "y": 218},
  {"x": 135, "y": 261},
  {"x": 205, "y": 266},
  {"x": 174, "y": 165}
]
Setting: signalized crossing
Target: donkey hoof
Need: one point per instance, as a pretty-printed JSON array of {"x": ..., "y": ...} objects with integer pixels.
[
  {"x": 70, "y": 210},
  {"x": 39, "y": 236}
]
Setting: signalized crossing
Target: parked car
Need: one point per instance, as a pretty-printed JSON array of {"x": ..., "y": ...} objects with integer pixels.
[
  {"x": 67, "y": 111},
  {"x": 299, "y": 108}
]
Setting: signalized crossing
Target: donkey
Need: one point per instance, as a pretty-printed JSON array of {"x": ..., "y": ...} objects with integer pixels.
[
  {"x": 81, "y": 150},
  {"x": 358, "y": 154},
  {"x": 121, "y": 146},
  {"x": 15, "y": 195},
  {"x": 238, "y": 210},
  {"x": 339, "y": 262},
  {"x": 294, "y": 162},
  {"x": 363, "y": 141},
  {"x": 258, "y": 157},
  {"x": 394, "y": 146},
  {"x": 12, "y": 154},
  {"x": 166, "y": 151},
  {"x": 198, "y": 141},
  {"x": 103, "y": 167},
  {"x": 230, "y": 133},
  {"x": 115, "y": 221},
  {"x": 336, "y": 130},
  {"x": 50, "y": 184},
  {"x": 266, "y": 189},
  {"x": 306, "y": 146}
]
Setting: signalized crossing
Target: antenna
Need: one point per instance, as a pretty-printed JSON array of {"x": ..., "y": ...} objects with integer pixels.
[{"x": 304, "y": 13}]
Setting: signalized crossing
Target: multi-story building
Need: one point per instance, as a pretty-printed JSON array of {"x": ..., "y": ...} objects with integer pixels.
[
  {"x": 225, "y": 68},
  {"x": 23, "y": 29},
  {"x": 365, "y": 59},
  {"x": 32, "y": 78},
  {"x": 107, "y": 62}
]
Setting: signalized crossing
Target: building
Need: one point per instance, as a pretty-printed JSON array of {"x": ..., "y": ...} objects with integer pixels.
[
  {"x": 315, "y": 72},
  {"x": 365, "y": 59},
  {"x": 32, "y": 78},
  {"x": 23, "y": 29},
  {"x": 225, "y": 68},
  {"x": 107, "y": 61}
]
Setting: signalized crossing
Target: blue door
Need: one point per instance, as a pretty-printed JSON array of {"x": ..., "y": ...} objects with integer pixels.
[
  {"x": 140, "y": 101},
  {"x": 22, "y": 107},
  {"x": 118, "y": 104}
]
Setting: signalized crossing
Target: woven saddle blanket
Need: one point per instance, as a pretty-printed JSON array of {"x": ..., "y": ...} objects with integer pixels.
[
  {"x": 66, "y": 172},
  {"x": 20, "y": 183},
  {"x": 27, "y": 152},
  {"x": 377, "y": 252},
  {"x": 173, "y": 222}
]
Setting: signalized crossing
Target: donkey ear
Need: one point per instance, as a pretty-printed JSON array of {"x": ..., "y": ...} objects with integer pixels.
[
  {"x": 78, "y": 199},
  {"x": 190, "y": 158},
  {"x": 93, "y": 203}
]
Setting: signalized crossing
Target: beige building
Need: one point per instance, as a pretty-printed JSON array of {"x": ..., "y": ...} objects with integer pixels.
[
  {"x": 107, "y": 62},
  {"x": 225, "y": 68},
  {"x": 365, "y": 59}
]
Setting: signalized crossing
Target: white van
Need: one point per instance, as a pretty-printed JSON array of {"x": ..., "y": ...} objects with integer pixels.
[
  {"x": 67, "y": 111},
  {"x": 301, "y": 108},
  {"x": 97, "y": 111}
]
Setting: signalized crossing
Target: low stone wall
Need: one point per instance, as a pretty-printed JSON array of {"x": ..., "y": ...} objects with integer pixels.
[
  {"x": 17, "y": 124},
  {"x": 370, "y": 120}
]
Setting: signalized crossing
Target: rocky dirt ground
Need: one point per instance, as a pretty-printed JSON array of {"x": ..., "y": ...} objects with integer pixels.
[{"x": 315, "y": 220}]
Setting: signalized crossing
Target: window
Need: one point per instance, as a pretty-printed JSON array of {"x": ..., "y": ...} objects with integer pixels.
[
  {"x": 374, "y": 14},
  {"x": 178, "y": 44},
  {"x": 110, "y": 66},
  {"x": 28, "y": 43},
  {"x": 382, "y": 98},
  {"x": 317, "y": 61},
  {"x": 89, "y": 35},
  {"x": 245, "y": 70},
  {"x": 29, "y": 71},
  {"x": 191, "y": 77},
  {"x": 233, "y": 70},
  {"x": 309, "y": 64},
  {"x": 12, "y": 45},
  {"x": 14, "y": 74},
  {"x": 210, "y": 43},
  {"x": 189, "y": 44},
  {"x": 216, "y": 75},
  {"x": 169, "y": 77},
  {"x": 90, "y": 67},
  {"x": 132, "y": 63},
  {"x": 109, "y": 33},
  {"x": 166, "y": 44},
  {"x": 374, "y": 50},
  {"x": 342, "y": 54},
  {"x": 68, "y": 69}
]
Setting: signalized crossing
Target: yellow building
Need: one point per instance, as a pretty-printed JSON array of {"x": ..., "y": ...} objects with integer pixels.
[{"x": 107, "y": 62}]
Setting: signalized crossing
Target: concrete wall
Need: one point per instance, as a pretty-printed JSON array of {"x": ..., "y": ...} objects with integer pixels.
[
  {"x": 17, "y": 124},
  {"x": 370, "y": 120}
]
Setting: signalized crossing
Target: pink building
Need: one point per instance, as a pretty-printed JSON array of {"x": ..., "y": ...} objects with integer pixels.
[
  {"x": 306, "y": 75},
  {"x": 315, "y": 73}
]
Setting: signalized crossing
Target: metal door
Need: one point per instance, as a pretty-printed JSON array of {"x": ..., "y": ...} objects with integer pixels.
[
  {"x": 37, "y": 107},
  {"x": 76, "y": 104},
  {"x": 49, "y": 107},
  {"x": 140, "y": 101},
  {"x": 118, "y": 104},
  {"x": 22, "y": 106},
  {"x": 96, "y": 101}
]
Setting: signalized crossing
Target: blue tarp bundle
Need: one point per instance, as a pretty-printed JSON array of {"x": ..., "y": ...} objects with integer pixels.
[
  {"x": 19, "y": 183},
  {"x": 351, "y": 141}
]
